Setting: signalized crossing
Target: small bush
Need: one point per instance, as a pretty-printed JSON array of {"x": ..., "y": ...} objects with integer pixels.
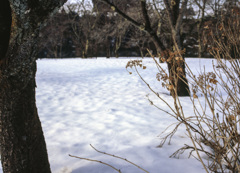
[{"x": 214, "y": 129}]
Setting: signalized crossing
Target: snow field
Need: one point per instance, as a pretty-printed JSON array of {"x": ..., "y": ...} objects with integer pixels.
[{"x": 96, "y": 101}]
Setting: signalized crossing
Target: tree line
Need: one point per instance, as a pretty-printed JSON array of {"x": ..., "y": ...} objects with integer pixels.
[{"x": 97, "y": 29}]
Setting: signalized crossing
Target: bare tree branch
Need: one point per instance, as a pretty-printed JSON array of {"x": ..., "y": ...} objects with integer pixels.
[{"x": 82, "y": 158}]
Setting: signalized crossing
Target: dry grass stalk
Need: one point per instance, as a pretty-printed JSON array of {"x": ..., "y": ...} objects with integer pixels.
[
  {"x": 91, "y": 160},
  {"x": 214, "y": 128},
  {"x": 118, "y": 157}
]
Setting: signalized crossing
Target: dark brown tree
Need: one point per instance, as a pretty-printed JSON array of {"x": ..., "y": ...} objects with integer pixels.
[{"x": 23, "y": 147}]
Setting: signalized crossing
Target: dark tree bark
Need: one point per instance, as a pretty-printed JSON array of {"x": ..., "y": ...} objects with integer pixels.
[{"x": 23, "y": 147}]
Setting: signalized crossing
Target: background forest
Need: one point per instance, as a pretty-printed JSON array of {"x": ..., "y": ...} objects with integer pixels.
[{"x": 94, "y": 29}]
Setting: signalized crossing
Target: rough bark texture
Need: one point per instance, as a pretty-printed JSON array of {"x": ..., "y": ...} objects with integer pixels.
[
  {"x": 23, "y": 147},
  {"x": 5, "y": 25}
]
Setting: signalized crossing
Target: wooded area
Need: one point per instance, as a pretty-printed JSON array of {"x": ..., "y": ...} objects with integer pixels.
[{"x": 95, "y": 29}]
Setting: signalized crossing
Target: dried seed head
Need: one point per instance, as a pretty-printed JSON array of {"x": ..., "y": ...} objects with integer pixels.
[
  {"x": 208, "y": 86},
  {"x": 178, "y": 58},
  {"x": 214, "y": 81},
  {"x": 169, "y": 59},
  {"x": 170, "y": 87},
  {"x": 163, "y": 59},
  {"x": 195, "y": 96},
  {"x": 180, "y": 70}
]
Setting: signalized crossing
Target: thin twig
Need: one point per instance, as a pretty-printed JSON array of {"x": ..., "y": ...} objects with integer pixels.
[
  {"x": 119, "y": 158},
  {"x": 82, "y": 158}
]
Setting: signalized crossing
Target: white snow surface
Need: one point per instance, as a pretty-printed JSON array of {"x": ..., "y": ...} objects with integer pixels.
[{"x": 96, "y": 101}]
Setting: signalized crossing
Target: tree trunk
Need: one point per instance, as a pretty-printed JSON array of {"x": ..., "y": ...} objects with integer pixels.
[
  {"x": 23, "y": 147},
  {"x": 176, "y": 68},
  {"x": 177, "y": 76}
]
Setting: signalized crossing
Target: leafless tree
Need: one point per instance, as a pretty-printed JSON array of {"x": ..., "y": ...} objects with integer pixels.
[
  {"x": 83, "y": 23},
  {"x": 174, "y": 11}
]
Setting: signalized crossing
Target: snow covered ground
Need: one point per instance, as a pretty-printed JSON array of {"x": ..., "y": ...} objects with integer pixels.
[{"x": 96, "y": 101}]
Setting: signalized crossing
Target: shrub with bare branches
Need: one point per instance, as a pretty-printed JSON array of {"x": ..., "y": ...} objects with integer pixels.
[{"x": 214, "y": 128}]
